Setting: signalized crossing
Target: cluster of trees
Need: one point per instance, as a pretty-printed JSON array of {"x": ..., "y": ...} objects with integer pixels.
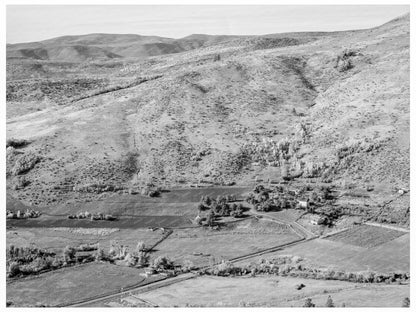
[
  {"x": 24, "y": 163},
  {"x": 271, "y": 152},
  {"x": 29, "y": 260},
  {"x": 222, "y": 206},
  {"x": 278, "y": 198},
  {"x": 162, "y": 264},
  {"x": 32, "y": 260},
  {"x": 93, "y": 217},
  {"x": 97, "y": 188},
  {"x": 30, "y": 213},
  {"x": 151, "y": 192},
  {"x": 271, "y": 200},
  {"x": 121, "y": 255}
]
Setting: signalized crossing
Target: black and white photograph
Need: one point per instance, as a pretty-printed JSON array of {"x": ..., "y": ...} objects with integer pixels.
[{"x": 235, "y": 155}]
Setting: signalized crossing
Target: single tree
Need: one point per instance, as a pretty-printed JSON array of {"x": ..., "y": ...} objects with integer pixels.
[
  {"x": 308, "y": 303},
  {"x": 406, "y": 302},
  {"x": 14, "y": 269},
  {"x": 140, "y": 247},
  {"x": 201, "y": 207},
  {"x": 142, "y": 259},
  {"x": 99, "y": 254},
  {"x": 69, "y": 253},
  {"x": 330, "y": 302}
]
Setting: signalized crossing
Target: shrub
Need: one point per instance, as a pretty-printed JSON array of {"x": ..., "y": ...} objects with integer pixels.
[
  {"x": 87, "y": 247},
  {"x": 142, "y": 259},
  {"x": 16, "y": 143},
  {"x": 56, "y": 263},
  {"x": 406, "y": 302},
  {"x": 308, "y": 303},
  {"x": 99, "y": 255},
  {"x": 344, "y": 61},
  {"x": 130, "y": 162},
  {"x": 140, "y": 247},
  {"x": 329, "y": 302},
  {"x": 162, "y": 263},
  {"x": 130, "y": 260},
  {"x": 210, "y": 219},
  {"x": 24, "y": 163},
  {"x": 69, "y": 253},
  {"x": 14, "y": 269},
  {"x": 154, "y": 193},
  {"x": 188, "y": 265},
  {"x": 20, "y": 182}
]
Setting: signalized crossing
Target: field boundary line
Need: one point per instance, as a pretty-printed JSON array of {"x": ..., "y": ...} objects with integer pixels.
[
  {"x": 169, "y": 281},
  {"x": 153, "y": 305},
  {"x": 334, "y": 233},
  {"x": 387, "y": 226},
  {"x": 43, "y": 272},
  {"x": 166, "y": 235},
  {"x": 108, "y": 294},
  {"x": 268, "y": 250},
  {"x": 140, "y": 289}
]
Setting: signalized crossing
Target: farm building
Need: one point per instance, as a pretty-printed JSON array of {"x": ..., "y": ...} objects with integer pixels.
[
  {"x": 303, "y": 204},
  {"x": 315, "y": 219}
]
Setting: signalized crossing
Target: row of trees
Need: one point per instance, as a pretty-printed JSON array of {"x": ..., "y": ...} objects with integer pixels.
[
  {"x": 293, "y": 267},
  {"x": 330, "y": 303},
  {"x": 30, "y": 260}
]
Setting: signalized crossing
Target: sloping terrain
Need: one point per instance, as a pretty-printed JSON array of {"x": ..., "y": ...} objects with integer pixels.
[{"x": 190, "y": 115}]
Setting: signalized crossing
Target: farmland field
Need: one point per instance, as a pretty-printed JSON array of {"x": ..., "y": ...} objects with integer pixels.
[
  {"x": 178, "y": 202},
  {"x": 389, "y": 257},
  {"x": 273, "y": 291},
  {"x": 56, "y": 239},
  {"x": 199, "y": 245},
  {"x": 366, "y": 236},
  {"x": 126, "y": 223},
  {"x": 72, "y": 284}
]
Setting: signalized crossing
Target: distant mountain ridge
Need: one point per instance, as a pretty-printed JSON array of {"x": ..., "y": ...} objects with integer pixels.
[
  {"x": 95, "y": 46},
  {"x": 109, "y": 46}
]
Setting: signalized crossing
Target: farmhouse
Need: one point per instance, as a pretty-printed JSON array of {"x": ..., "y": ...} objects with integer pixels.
[{"x": 303, "y": 204}]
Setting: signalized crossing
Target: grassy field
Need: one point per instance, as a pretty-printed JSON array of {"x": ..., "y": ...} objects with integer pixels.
[
  {"x": 288, "y": 215},
  {"x": 56, "y": 239},
  {"x": 72, "y": 284},
  {"x": 389, "y": 257},
  {"x": 272, "y": 291},
  {"x": 366, "y": 236},
  {"x": 236, "y": 240}
]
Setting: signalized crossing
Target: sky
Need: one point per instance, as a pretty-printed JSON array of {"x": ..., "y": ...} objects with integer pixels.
[{"x": 26, "y": 23}]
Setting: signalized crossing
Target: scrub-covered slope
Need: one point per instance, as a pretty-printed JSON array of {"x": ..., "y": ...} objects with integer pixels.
[{"x": 332, "y": 107}]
